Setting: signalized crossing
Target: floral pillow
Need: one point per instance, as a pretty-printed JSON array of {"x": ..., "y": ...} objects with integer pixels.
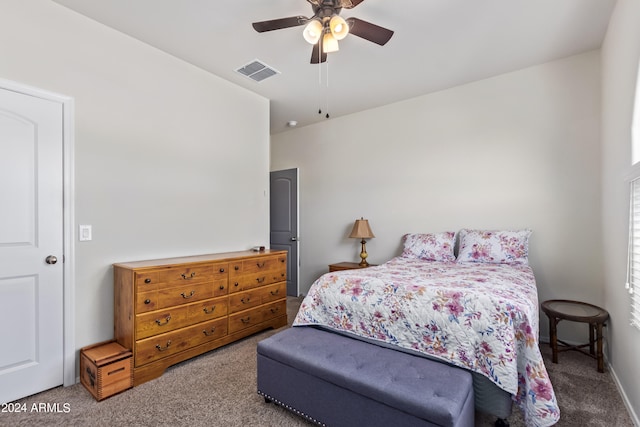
[
  {"x": 496, "y": 247},
  {"x": 429, "y": 247}
]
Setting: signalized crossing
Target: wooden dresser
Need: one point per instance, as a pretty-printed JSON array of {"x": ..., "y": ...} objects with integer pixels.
[{"x": 169, "y": 310}]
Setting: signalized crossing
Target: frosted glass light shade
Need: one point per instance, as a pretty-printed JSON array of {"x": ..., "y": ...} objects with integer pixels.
[
  {"x": 329, "y": 43},
  {"x": 339, "y": 27},
  {"x": 312, "y": 31}
]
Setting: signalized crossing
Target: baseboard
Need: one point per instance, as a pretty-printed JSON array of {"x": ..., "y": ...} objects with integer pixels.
[
  {"x": 625, "y": 399},
  {"x": 632, "y": 414}
]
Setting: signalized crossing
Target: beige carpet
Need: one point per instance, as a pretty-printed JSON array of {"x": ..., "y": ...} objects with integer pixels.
[{"x": 219, "y": 389}]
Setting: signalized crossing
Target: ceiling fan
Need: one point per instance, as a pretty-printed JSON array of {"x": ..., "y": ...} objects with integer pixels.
[{"x": 326, "y": 27}]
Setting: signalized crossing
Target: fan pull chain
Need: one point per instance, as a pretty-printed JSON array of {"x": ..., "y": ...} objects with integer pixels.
[
  {"x": 319, "y": 80},
  {"x": 327, "y": 91}
]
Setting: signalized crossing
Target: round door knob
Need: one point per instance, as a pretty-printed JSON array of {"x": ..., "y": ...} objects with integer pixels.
[{"x": 51, "y": 259}]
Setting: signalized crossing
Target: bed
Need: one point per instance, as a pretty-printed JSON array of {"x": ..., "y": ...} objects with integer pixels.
[{"x": 477, "y": 311}]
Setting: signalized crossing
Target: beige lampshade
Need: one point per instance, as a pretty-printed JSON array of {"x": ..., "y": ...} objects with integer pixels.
[{"x": 361, "y": 229}]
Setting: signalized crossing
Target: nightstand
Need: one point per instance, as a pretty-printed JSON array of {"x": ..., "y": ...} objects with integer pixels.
[
  {"x": 347, "y": 266},
  {"x": 576, "y": 311}
]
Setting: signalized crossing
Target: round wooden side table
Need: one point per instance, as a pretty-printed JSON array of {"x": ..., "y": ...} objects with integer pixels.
[{"x": 576, "y": 311}]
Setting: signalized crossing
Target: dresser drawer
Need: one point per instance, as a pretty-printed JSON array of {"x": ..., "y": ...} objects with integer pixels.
[
  {"x": 146, "y": 301},
  {"x": 209, "y": 309},
  {"x": 244, "y": 300},
  {"x": 186, "y": 274},
  {"x": 258, "y": 265},
  {"x": 250, "y": 281},
  {"x": 172, "y": 318},
  {"x": 147, "y": 280},
  {"x": 161, "y": 321},
  {"x": 154, "y": 300},
  {"x": 248, "y": 318},
  {"x": 163, "y": 345},
  {"x": 274, "y": 292},
  {"x": 185, "y": 294}
]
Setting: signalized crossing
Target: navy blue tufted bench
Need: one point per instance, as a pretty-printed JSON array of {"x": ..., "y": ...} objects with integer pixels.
[{"x": 337, "y": 381}]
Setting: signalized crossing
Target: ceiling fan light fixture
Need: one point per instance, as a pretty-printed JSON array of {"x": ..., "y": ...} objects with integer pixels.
[
  {"x": 312, "y": 31},
  {"x": 339, "y": 27},
  {"x": 329, "y": 43}
]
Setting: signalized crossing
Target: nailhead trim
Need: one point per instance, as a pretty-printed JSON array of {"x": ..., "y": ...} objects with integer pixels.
[{"x": 292, "y": 409}]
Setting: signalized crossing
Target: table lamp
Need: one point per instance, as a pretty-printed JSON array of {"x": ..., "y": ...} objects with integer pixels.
[{"x": 361, "y": 230}]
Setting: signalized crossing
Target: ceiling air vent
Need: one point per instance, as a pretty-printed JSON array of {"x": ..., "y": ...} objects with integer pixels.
[{"x": 257, "y": 71}]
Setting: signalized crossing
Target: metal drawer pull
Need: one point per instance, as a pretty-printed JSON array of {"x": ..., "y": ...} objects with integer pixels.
[
  {"x": 159, "y": 321},
  {"x": 260, "y": 279},
  {"x": 184, "y": 276},
  {"x": 207, "y": 311},
  {"x": 275, "y": 310},
  {"x": 236, "y": 268},
  {"x": 188, "y": 296},
  {"x": 147, "y": 280},
  {"x": 207, "y": 333},
  {"x": 163, "y": 348},
  {"x": 222, "y": 287},
  {"x": 247, "y": 320},
  {"x": 276, "y": 292},
  {"x": 147, "y": 301},
  {"x": 222, "y": 270},
  {"x": 245, "y": 300},
  {"x": 260, "y": 264}
]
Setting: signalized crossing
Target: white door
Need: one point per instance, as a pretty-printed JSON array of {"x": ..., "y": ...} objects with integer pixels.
[{"x": 31, "y": 245}]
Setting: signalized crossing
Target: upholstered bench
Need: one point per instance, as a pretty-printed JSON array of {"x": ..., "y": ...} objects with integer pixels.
[{"x": 334, "y": 380}]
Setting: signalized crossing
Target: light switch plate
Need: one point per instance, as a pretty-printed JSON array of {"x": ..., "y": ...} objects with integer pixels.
[{"x": 84, "y": 234}]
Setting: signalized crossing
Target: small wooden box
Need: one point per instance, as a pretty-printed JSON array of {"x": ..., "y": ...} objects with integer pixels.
[{"x": 105, "y": 369}]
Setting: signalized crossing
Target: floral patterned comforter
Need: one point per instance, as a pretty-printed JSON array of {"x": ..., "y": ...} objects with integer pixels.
[{"x": 482, "y": 317}]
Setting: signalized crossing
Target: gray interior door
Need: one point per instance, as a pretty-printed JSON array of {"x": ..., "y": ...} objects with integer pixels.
[{"x": 284, "y": 221}]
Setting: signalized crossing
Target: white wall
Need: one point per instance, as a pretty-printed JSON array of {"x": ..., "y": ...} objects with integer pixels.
[
  {"x": 517, "y": 150},
  {"x": 170, "y": 160},
  {"x": 620, "y": 56}
]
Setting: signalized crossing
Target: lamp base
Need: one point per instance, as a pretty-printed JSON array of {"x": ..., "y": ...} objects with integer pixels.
[{"x": 364, "y": 254}]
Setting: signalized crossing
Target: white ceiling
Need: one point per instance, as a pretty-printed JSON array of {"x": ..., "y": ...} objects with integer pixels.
[{"x": 437, "y": 44}]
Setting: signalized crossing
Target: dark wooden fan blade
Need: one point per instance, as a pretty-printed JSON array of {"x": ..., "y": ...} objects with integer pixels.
[
  {"x": 316, "y": 56},
  {"x": 350, "y": 4},
  {"x": 277, "y": 24},
  {"x": 369, "y": 31}
]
